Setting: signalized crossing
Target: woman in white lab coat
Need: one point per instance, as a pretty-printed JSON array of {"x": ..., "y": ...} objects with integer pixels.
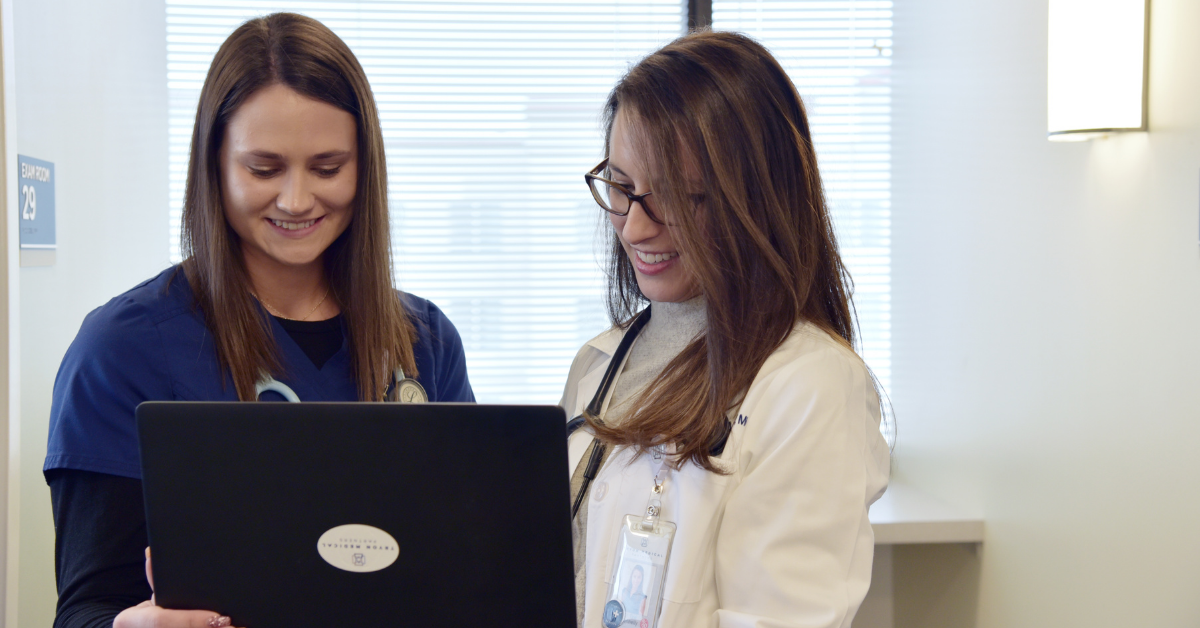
[{"x": 740, "y": 373}]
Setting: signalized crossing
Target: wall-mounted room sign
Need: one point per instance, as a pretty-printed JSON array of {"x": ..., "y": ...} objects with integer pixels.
[{"x": 35, "y": 201}]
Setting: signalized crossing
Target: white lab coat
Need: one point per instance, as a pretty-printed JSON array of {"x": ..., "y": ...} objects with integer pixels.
[{"x": 784, "y": 539}]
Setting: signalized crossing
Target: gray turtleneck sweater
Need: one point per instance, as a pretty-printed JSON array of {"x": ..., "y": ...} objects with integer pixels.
[{"x": 671, "y": 327}]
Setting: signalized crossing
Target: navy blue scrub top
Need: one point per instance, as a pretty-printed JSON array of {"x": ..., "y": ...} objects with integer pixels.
[{"x": 151, "y": 343}]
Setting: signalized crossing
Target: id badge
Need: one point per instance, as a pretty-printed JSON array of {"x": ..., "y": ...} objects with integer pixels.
[{"x": 635, "y": 595}]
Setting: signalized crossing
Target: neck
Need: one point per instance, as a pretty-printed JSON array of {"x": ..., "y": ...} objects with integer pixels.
[
  {"x": 691, "y": 310},
  {"x": 291, "y": 291}
]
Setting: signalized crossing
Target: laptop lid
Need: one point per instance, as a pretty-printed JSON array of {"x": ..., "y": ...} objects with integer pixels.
[{"x": 284, "y": 514}]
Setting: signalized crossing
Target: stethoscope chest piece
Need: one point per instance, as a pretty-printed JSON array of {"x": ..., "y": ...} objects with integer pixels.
[{"x": 409, "y": 390}]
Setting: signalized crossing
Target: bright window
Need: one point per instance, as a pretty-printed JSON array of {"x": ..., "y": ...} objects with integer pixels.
[
  {"x": 490, "y": 112},
  {"x": 839, "y": 54},
  {"x": 491, "y": 115}
]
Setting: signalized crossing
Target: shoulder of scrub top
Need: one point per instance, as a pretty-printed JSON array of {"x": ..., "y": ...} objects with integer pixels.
[
  {"x": 127, "y": 319},
  {"x": 165, "y": 295},
  {"x": 441, "y": 361},
  {"x": 117, "y": 360}
]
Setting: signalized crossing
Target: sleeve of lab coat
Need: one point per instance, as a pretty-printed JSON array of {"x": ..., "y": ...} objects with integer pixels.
[{"x": 795, "y": 546}]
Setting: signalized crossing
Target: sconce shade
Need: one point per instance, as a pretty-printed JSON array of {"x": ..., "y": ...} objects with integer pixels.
[{"x": 1097, "y": 67}]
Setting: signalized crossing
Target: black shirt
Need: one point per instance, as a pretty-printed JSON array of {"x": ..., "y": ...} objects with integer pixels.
[
  {"x": 319, "y": 339},
  {"x": 99, "y": 546},
  {"x": 100, "y": 521}
]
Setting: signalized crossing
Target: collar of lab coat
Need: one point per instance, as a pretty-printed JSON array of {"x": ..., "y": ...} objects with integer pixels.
[
  {"x": 608, "y": 341},
  {"x": 606, "y": 344}
]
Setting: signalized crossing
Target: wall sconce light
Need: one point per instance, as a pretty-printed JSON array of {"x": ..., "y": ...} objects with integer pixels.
[{"x": 1098, "y": 52}]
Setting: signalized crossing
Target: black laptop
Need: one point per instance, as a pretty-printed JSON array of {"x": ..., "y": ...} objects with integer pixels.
[{"x": 360, "y": 514}]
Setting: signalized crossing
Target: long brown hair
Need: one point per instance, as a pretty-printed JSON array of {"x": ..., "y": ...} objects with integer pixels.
[
  {"x": 304, "y": 55},
  {"x": 759, "y": 243}
]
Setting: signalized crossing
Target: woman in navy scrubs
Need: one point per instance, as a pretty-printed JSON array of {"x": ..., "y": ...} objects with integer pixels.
[{"x": 287, "y": 278}]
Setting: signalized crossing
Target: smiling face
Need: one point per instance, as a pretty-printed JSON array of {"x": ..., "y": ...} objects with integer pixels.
[
  {"x": 661, "y": 274},
  {"x": 288, "y": 177}
]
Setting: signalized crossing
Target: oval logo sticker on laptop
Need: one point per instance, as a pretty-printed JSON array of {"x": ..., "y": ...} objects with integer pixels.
[{"x": 357, "y": 547}]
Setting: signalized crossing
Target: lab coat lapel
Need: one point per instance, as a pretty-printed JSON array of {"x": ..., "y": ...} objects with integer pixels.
[
  {"x": 606, "y": 344},
  {"x": 601, "y": 348},
  {"x": 586, "y": 388}
]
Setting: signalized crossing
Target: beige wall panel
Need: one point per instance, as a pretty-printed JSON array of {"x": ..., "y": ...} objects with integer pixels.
[{"x": 1046, "y": 301}]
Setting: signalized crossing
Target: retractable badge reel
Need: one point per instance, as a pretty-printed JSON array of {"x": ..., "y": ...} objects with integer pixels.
[{"x": 643, "y": 552}]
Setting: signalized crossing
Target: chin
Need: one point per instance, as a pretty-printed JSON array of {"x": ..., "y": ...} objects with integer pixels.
[
  {"x": 666, "y": 294},
  {"x": 296, "y": 259}
]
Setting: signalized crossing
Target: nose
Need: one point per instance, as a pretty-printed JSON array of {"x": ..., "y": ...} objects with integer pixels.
[
  {"x": 638, "y": 227},
  {"x": 296, "y": 197}
]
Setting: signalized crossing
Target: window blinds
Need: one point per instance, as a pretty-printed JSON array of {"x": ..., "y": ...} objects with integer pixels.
[
  {"x": 490, "y": 114},
  {"x": 838, "y": 53}
]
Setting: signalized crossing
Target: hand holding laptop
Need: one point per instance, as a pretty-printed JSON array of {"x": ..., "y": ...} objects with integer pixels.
[{"x": 149, "y": 615}]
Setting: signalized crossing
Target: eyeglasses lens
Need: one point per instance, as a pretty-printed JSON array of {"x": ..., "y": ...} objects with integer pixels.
[{"x": 610, "y": 198}]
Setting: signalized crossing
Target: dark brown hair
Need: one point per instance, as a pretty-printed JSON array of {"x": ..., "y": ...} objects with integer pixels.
[
  {"x": 715, "y": 116},
  {"x": 304, "y": 55}
]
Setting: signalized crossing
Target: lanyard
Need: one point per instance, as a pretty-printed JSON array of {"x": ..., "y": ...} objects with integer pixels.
[
  {"x": 662, "y": 471},
  {"x": 643, "y": 547}
]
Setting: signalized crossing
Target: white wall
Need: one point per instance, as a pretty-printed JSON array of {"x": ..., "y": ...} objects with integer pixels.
[
  {"x": 9, "y": 318},
  {"x": 1047, "y": 320},
  {"x": 91, "y": 98}
]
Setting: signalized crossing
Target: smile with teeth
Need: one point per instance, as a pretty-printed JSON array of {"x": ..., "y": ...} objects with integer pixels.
[
  {"x": 292, "y": 226},
  {"x": 655, "y": 258}
]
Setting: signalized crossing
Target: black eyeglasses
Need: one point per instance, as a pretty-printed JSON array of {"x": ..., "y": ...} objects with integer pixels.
[{"x": 615, "y": 198}]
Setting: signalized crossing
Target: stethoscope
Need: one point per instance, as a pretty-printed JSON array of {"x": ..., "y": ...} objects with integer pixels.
[
  {"x": 404, "y": 389},
  {"x": 593, "y": 409}
]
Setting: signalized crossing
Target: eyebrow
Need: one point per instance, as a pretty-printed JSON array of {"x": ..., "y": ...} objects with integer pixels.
[
  {"x": 325, "y": 155},
  {"x": 264, "y": 154},
  {"x": 332, "y": 154},
  {"x": 618, "y": 170}
]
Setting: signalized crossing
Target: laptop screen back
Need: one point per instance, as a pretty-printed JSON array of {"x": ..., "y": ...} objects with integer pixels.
[{"x": 283, "y": 514}]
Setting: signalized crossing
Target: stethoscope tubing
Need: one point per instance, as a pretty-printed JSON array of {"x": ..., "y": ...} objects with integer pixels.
[
  {"x": 597, "y": 403},
  {"x": 269, "y": 384}
]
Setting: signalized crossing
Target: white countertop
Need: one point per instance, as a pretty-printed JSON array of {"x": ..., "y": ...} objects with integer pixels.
[{"x": 907, "y": 515}]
